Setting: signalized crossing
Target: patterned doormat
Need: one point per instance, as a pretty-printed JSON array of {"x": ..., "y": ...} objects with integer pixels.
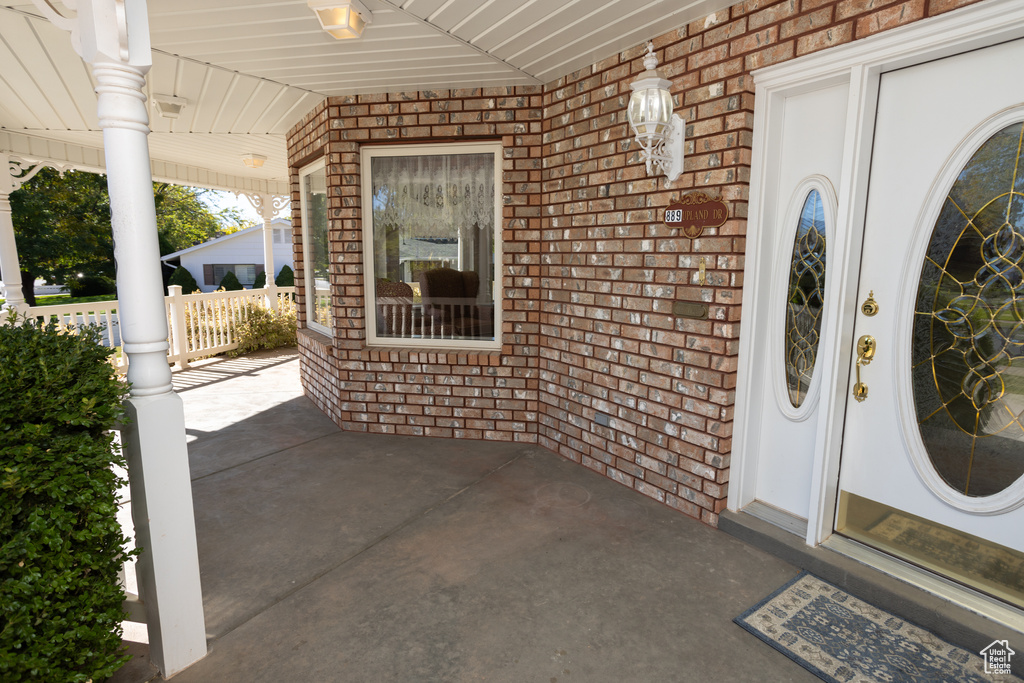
[{"x": 844, "y": 640}]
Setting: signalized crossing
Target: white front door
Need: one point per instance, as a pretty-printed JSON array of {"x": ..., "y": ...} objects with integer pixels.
[{"x": 933, "y": 456}]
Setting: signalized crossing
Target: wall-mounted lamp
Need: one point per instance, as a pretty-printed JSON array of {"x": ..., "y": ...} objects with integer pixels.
[
  {"x": 658, "y": 131},
  {"x": 253, "y": 160},
  {"x": 342, "y": 18},
  {"x": 169, "y": 106}
]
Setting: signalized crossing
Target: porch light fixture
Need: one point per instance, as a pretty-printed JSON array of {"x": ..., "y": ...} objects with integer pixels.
[
  {"x": 658, "y": 131},
  {"x": 341, "y": 18},
  {"x": 169, "y": 106},
  {"x": 253, "y": 160}
]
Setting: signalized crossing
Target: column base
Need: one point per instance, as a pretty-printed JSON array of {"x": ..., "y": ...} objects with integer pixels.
[{"x": 168, "y": 568}]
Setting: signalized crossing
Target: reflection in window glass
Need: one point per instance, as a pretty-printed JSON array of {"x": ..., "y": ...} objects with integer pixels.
[
  {"x": 968, "y": 347},
  {"x": 806, "y": 298},
  {"x": 433, "y": 243},
  {"x": 316, "y": 255}
]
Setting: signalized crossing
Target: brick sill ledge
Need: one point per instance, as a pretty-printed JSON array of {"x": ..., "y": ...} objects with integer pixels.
[{"x": 390, "y": 354}]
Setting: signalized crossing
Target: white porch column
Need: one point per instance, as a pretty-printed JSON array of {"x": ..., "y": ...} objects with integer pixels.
[
  {"x": 15, "y": 172},
  {"x": 113, "y": 36},
  {"x": 268, "y": 207}
]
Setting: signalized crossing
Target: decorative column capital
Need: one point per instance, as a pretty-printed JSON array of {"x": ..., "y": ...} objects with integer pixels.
[
  {"x": 267, "y": 205},
  {"x": 115, "y": 31}
]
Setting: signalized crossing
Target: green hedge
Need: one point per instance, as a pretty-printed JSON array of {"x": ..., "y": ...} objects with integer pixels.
[
  {"x": 91, "y": 285},
  {"x": 267, "y": 329},
  {"x": 183, "y": 278},
  {"x": 60, "y": 544},
  {"x": 285, "y": 278},
  {"x": 230, "y": 283}
]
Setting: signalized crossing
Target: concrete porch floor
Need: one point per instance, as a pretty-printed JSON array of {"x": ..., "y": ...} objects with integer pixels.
[{"x": 334, "y": 556}]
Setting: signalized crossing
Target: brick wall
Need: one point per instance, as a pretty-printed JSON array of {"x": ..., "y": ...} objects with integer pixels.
[
  {"x": 474, "y": 395},
  {"x": 590, "y": 270}
]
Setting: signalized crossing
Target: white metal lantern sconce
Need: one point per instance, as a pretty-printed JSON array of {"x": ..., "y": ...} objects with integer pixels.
[
  {"x": 658, "y": 131},
  {"x": 341, "y": 18}
]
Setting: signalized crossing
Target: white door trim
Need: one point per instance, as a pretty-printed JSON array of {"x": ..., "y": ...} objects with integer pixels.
[{"x": 859, "y": 64}]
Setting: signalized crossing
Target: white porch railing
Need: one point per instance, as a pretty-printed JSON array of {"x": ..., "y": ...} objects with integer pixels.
[{"x": 199, "y": 324}]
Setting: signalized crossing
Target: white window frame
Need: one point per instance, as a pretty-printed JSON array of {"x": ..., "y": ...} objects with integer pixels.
[
  {"x": 307, "y": 271},
  {"x": 429, "y": 149}
]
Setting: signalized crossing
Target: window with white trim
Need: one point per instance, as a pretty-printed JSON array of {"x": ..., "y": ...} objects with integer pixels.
[
  {"x": 432, "y": 242},
  {"x": 246, "y": 273},
  {"x": 315, "y": 247}
]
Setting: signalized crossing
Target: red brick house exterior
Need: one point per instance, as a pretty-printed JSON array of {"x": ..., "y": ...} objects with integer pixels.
[{"x": 590, "y": 271}]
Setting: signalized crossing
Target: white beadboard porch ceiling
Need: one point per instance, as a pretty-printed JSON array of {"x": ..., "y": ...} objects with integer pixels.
[{"x": 250, "y": 69}]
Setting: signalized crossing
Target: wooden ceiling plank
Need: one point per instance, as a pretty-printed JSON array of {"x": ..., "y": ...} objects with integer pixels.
[
  {"x": 162, "y": 80},
  {"x": 24, "y": 88},
  {"x": 74, "y": 73},
  {"x": 450, "y": 13},
  {"x": 290, "y": 112},
  {"x": 208, "y": 104},
  {"x": 422, "y": 8},
  {"x": 256, "y": 18},
  {"x": 189, "y": 81},
  {"x": 217, "y": 48},
  {"x": 479, "y": 24},
  {"x": 531, "y": 21},
  {"x": 13, "y": 112},
  {"x": 239, "y": 92},
  {"x": 564, "y": 56},
  {"x": 16, "y": 113},
  {"x": 262, "y": 96},
  {"x": 47, "y": 96}
]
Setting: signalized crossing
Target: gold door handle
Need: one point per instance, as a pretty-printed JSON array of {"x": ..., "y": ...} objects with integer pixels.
[{"x": 866, "y": 346}]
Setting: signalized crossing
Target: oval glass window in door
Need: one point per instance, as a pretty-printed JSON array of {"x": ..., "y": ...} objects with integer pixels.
[
  {"x": 968, "y": 330},
  {"x": 805, "y": 298}
]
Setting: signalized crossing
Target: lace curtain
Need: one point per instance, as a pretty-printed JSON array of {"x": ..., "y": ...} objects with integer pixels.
[{"x": 434, "y": 196}]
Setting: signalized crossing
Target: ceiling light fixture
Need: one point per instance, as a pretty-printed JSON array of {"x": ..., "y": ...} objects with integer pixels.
[
  {"x": 659, "y": 132},
  {"x": 253, "y": 160},
  {"x": 342, "y": 18}
]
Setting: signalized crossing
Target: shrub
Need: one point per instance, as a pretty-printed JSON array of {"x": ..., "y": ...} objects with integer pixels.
[
  {"x": 91, "y": 285},
  {"x": 60, "y": 544},
  {"x": 230, "y": 283},
  {"x": 266, "y": 329},
  {"x": 261, "y": 280},
  {"x": 183, "y": 278},
  {"x": 285, "y": 278}
]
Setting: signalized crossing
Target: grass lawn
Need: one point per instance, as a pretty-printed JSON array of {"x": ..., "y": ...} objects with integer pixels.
[{"x": 60, "y": 299}]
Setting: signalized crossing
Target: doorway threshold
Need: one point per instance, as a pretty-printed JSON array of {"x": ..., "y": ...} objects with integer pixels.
[{"x": 890, "y": 584}]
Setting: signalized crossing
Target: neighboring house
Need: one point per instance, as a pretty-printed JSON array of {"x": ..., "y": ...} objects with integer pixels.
[{"x": 240, "y": 253}]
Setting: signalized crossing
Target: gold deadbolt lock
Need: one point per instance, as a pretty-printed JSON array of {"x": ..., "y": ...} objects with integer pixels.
[{"x": 870, "y": 306}]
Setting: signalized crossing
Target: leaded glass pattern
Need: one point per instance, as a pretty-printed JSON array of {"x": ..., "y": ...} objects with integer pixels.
[
  {"x": 805, "y": 298},
  {"x": 968, "y": 348}
]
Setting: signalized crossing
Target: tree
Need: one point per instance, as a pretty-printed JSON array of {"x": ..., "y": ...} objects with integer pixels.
[
  {"x": 62, "y": 227},
  {"x": 261, "y": 280},
  {"x": 183, "y": 278},
  {"x": 183, "y": 220},
  {"x": 230, "y": 283},
  {"x": 285, "y": 277}
]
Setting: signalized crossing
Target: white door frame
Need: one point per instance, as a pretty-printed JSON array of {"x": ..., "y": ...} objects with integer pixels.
[{"x": 860, "y": 65}]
